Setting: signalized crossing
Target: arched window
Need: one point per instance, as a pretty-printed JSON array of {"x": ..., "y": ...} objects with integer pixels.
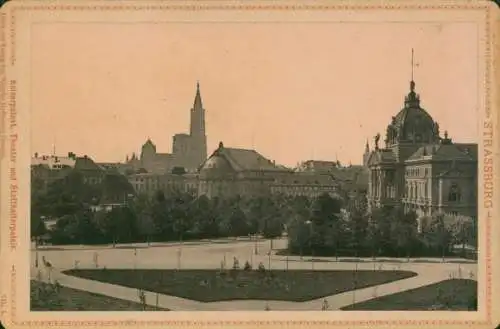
[{"x": 454, "y": 194}]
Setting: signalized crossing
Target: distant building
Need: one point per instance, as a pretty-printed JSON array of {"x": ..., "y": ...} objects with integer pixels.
[
  {"x": 46, "y": 169},
  {"x": 150, "y": 183},
  {"x": 318, "y": 166},
  {"x": 421, "y": 170},
  {"x": 306, "y": 184},
  {"x": 188, "y": 150},
  {"x": 234, "y": 171}
]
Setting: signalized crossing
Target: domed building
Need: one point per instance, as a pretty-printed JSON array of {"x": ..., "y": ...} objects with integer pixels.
[{"x": 420, "y": 169}]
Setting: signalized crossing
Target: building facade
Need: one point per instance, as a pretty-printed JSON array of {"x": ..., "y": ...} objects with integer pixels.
[
  {"x": 419, "y": 169},
  {"x": 150, "y": 183},
  {"x": 232, "y": 171}
]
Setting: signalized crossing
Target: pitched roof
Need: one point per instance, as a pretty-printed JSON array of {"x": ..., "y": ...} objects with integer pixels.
[
  {"x": 86, "y": 163},
  {"x": 446, "y": 152},
  {"x": 453, "y": 172},
  {"x": 381, "y": 156},
  {"x": 244, "y": 159},
  {"x": 354, "y": 175}
]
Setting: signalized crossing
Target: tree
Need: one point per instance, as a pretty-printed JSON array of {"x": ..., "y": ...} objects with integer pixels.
[
  {"x": 204, "y": 218},
  {"x": 327, "y": 226},
  {"x": 382, "y": 219},
  {"x": 116, "y": 189},
  {"x": 146, "y": 224},
  {"x": 463, "y": 232},
  {"x": 438, "y": 236},
  {"x": 37, "y": 227},
  {"x": 403, "y": 230},
  {"x": 358, "y": 227}
]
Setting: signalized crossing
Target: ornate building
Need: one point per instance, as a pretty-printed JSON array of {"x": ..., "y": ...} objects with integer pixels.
[
  {"x": 188, "y": 150},
  {"x": 420, "y": 169}
]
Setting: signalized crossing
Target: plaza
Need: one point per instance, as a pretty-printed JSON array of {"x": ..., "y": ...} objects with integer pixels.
[{"x": 209, "y": 254}]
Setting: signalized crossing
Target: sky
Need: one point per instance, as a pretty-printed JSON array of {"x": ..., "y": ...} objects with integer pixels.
[{"x": 291, "y": 91}]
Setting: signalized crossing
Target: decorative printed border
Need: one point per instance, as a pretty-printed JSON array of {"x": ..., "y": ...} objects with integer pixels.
[{"x": 270, "y": 7}]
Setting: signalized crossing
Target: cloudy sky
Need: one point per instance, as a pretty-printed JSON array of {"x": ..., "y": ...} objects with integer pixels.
[{"x": 291, "y": 91}]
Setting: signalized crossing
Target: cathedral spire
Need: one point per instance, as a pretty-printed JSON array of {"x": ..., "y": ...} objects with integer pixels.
[
  {"x": 197, "y": 99},
  {"x": 412, "y": 64}
]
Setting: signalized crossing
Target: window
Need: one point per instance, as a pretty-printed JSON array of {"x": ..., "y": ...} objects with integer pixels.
[{"x": 454, "y": 194}]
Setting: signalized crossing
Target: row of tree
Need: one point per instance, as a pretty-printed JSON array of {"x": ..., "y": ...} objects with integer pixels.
[
  {"x": 322, "y": 226},
  {"x": 176, "y": 216},
  {"x": 386, "y": 231}
]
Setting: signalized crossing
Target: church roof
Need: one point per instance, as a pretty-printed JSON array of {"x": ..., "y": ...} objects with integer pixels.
[
  {"x": 149, "y": 142},
  {"x": 197, "y": 99},
  {"x": 163, "y": 156}
]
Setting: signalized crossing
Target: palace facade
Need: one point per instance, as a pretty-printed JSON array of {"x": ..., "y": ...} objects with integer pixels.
[{"x": 421, "y": 169}]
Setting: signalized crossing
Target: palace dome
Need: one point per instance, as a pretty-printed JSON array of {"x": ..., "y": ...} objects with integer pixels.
[{"x": 412, "y": 123}]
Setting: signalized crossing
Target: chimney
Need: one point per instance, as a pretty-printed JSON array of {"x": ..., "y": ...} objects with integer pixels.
[{"x": 36, "y": 154}]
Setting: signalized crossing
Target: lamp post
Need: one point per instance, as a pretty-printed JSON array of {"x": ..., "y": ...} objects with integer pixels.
[
  {"x": 269, "y": 262},
  {"x": 36, "y": 252},
  {"x": 251, "y": 258},
  {"x": 309, "y": 224},
  {"x": 256, "y": 251}
]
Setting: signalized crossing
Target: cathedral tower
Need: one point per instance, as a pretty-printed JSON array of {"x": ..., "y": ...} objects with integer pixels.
[{"x": 198, "y": 138}]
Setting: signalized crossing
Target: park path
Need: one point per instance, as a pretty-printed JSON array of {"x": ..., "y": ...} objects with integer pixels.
[{"x": 424, "y": 277}]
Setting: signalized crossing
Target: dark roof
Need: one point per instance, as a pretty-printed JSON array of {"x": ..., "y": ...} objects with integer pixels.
[
  {"x": 244, "y": 159},
  {"x": 470, "y": 148},
  {"x": 353, "y": 175},
  {"x": 86, "y": 163},
  {"x": 381, "y": 156},
  {"x": 446, "y": 152},
  {"x": 410, "y": 114}
]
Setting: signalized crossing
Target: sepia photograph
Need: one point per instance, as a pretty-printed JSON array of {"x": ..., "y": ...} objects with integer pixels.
[{"x": 204, "y": 159}]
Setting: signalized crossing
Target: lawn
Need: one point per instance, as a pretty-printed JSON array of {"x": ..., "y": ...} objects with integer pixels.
[
  {"x": 214, "y": 285},
  {"x": 453, "y": 294},
  {"x": 45, "y": 298}
]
